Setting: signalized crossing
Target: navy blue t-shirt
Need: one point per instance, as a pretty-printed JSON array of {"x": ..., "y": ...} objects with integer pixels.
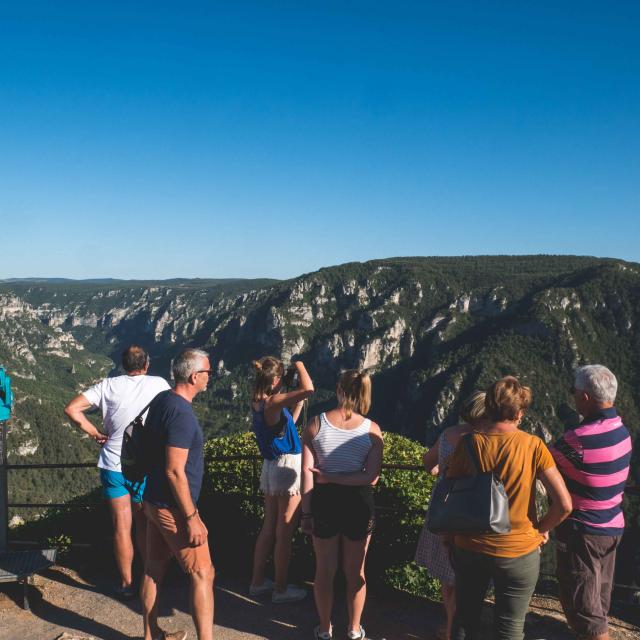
[{"x": 172, "y": 423}]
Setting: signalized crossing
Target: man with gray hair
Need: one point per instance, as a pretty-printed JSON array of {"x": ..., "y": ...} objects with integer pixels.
[
  {"x": 176, "y": 467},
  {"x": 593, "y": 459}
]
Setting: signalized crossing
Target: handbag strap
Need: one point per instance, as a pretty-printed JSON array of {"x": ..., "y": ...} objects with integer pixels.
[{"x": 468, "y": 443}]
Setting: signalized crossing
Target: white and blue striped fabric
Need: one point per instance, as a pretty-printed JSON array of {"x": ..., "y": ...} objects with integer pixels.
[{"x": 341, "y": 450}]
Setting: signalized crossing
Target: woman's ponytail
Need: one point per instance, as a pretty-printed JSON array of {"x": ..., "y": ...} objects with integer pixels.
[
  {"x": 355, "y": 392},
  {"x": 267, "y": 370},
  {"x": 364, "y": 396}
]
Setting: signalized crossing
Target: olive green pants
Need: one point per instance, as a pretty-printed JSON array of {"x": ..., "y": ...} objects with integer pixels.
[{"x": 514, "y": 580}]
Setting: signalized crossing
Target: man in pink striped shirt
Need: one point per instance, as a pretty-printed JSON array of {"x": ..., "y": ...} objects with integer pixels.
[{"x": 593, "y": 459}]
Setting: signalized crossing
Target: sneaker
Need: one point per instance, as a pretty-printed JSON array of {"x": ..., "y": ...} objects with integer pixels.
[
  {"x": 125, "y": 593},
  {"x": 321, "y": 635},
  {"x": 290, "y": 594},
  {"x": 261, "y": 589},
  {"x": 357, "y": 635}
]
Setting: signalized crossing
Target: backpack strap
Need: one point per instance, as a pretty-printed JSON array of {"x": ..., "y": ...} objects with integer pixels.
[{"x": 142, "y": 412}]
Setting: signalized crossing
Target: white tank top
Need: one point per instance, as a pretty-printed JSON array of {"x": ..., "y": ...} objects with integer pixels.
[{"x": 341, "y": 450}]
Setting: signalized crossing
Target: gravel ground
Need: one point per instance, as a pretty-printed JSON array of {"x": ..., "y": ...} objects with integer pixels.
[{"x": 69, "y": 606}]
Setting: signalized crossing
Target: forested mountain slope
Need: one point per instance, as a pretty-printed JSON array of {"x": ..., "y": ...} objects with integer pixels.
[{"x": 430, "y": 329}]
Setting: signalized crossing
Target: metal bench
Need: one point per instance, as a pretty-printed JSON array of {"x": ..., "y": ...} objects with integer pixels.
[{"x": 19, "y": 566}]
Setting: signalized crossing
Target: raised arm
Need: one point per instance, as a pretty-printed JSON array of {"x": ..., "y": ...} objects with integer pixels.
[
  {"x": 372, "y": 465},
  {"x": 275, "y": 403},
  {"x": 559, "y": 500},
  {"x": 296, "y": 410},
  {"x": 75, "y": 410}
]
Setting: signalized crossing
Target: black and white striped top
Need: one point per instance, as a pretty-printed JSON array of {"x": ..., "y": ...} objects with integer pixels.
[{"x": 341, "y": 450}]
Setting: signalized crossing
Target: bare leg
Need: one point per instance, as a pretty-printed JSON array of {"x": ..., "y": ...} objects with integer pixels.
[
  {"x": 122, "y": 544},
  {"x": 287, "y": 521},
  {"x": 354, "y": 553},
  {"x": 449, "y": 601},
  {"x": 155, "y": 567},
  {"x": 327, "y": 550},
  {"x": 202, "y": 602},
  {"x": 151, "y": 580},
  {"x": 140, "y": 522},
  {"x": 265, "y": 541}
]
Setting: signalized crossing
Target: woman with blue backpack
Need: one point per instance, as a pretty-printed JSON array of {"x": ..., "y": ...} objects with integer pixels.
[{"x": 275, "y": 410}]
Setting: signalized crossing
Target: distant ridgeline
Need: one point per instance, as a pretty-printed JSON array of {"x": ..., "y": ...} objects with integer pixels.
[{"x": 430, "y": 329}]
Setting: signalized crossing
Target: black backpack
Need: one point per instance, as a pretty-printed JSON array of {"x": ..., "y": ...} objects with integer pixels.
[{"x": 134, "y": 454}]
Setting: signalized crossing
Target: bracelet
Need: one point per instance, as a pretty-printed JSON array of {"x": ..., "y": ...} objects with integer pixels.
[{"x": 191, "y": 516}]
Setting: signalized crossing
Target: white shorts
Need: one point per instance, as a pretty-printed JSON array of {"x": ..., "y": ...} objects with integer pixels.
[{"x": 281, "y": 477}]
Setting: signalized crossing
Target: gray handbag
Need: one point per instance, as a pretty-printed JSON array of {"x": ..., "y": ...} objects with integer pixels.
[{"x": 470, "y": 504}]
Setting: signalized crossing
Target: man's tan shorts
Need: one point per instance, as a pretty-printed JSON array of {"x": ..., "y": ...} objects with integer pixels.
[{"x": 167, "y": 535}]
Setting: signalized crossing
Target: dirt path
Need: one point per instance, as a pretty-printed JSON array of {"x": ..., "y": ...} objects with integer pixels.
[{"x": 64, "y": 602}]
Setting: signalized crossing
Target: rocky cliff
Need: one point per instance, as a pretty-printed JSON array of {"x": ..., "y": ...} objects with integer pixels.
[{"x": 429, "y": 329}]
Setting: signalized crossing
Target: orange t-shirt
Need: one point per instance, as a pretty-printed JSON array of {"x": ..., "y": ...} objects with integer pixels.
[{"x": 516, "y": 458}]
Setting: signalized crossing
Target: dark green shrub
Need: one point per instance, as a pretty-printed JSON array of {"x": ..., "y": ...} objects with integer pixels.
[
  {"x": 402, "y": 496},
  {"x": 414, "y": 580},
  {"x": 230, "y": 503},
  {"x": 232, "y": 506},
  {"x": 60, "y": 542}
]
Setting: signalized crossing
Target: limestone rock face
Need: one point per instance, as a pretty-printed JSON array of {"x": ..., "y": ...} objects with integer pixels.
[{"x": 430, "y": 330}]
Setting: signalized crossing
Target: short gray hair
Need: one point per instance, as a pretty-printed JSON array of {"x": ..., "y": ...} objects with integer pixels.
[
  {"x": 187, "y": 362},
  {"x": 598, "y": 382}
]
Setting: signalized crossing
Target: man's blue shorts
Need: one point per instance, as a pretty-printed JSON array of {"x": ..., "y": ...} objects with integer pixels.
[{"x": 115, "y": 485}]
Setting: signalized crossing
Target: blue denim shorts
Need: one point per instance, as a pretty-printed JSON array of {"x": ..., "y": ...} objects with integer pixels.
[{"x": 115, "y": 485}]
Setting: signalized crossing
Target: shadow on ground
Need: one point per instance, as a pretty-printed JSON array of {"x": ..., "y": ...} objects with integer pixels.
[{"x": 66, "y": 599}]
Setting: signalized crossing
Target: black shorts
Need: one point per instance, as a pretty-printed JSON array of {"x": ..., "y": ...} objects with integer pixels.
[{"x": 341, "y": 509}]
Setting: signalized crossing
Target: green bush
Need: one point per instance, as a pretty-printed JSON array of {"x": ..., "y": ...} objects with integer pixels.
[
  {"x": 414, "y": 580},
  {"x": 232, "y": 504},
  {"x": 60, "y": 542},
  {"x": 232, "y": 508},
  {"x": 401, "y": 500},
  {"x": 237, "y": 476}
]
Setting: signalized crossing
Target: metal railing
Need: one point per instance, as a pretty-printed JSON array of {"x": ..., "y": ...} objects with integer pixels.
[
  {"x": 254, "y": 459},
  {"x": 255, "y": 496},
  {"x": 45, "y": 505},
  {"x": 255, "y": 492}
]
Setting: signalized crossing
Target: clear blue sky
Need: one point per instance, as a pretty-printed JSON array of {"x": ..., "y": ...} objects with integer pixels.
[{"x": 153, "y": 139}]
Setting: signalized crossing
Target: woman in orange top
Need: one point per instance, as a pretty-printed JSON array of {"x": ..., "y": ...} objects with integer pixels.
[{"x": 512, "y": 559}]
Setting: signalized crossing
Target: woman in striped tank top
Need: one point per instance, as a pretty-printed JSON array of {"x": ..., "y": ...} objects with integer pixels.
[{"x": 341, "y": 460}]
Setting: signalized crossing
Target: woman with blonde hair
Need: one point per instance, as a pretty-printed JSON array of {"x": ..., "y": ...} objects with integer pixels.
[
  {"x": 511, "y": 560},
  {"x": 341, "y": 461},
  {"x": 432, "y": 553},
  {"x": 275, "y": 411}
]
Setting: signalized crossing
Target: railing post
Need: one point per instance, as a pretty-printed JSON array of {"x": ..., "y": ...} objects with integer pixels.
[
  {"x": 6, "y": 403},
  {"x": 4, "y": 489}
]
